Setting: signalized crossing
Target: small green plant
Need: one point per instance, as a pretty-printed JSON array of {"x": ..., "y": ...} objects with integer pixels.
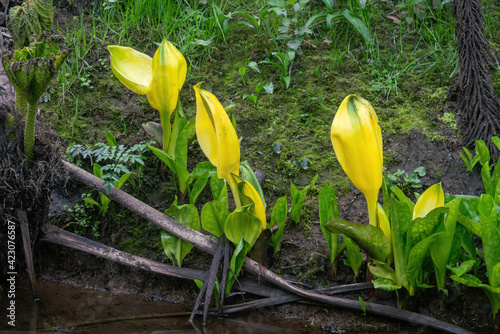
[
  {"x": 109, "y": 181},
  {"x": 117, "y": 162},
  {"x": 243, "y": 70},
  {"x": 406, "y": 182},
  {"x": 284, "y": 66},
  {"x": 85, "y": 81},
  {"x": 269, "y": 88},
  {"x": 83, "y": 217},
  {"x": 298, "y": 198},
  {"x": 482, "y": 154}
]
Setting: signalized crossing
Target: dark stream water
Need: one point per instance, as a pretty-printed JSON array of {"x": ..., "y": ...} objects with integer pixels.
[{"x": 66, "y": 309}]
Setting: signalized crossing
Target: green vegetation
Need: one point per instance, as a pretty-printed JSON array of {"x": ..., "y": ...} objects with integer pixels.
[{"x": 311, "y": 55}]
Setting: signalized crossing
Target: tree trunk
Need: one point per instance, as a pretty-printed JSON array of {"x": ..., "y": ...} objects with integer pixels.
[{"x": 478, "y": 106}]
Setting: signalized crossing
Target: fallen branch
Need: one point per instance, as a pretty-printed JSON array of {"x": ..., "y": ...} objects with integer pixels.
[
  {"x": 207, "y": 244},
  {"x": 57, "y": 236}
]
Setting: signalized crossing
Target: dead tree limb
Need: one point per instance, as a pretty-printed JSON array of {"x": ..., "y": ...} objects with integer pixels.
[
  {"x": 61, "y": 237},
  {"x": 28, "y": 254},
  {"x": 203, "y": 242}
]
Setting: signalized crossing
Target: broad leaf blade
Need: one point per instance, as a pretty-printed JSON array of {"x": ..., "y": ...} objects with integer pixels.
[{"x": 368, "y": 237}]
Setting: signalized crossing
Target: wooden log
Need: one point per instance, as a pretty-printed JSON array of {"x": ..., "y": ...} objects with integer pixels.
[
  {"x": 28, "y": 253},
  {"x": 57, "y": 236},
  {"x": 209, "y": 245}
]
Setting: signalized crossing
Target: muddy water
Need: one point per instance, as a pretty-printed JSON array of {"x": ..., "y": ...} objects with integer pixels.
[{"x": 65, "y": 309}]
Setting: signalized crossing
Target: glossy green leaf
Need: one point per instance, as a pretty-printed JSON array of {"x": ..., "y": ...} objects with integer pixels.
[
  {"x": 110, "y": 139},
  {"x": 197, "y": 188},
  {"x": 354, "y": 259},
  {"x": 421, "y": 228},
  {"x": 278, "y": 216},
  {"x": 469, "y": 224},
  {"x": 441, "y": 249},
  {"x": 173, "y": 246},
  {"x": 414, "y": 261},
  {"x": 242, "y": 221},
  {"x": 490, "y": 231},
  {"x": 328, "y": 211},
  {"x": 382, "y": 270},
  {"x": 368, "y": 237},
  {"x": 483, "y": 152},
  {"x": 462, "y": 268},
  {"x": 213, "y": 217}
]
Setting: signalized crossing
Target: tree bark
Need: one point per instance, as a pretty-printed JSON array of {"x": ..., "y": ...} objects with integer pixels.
[{"x": 478, "y": 106}]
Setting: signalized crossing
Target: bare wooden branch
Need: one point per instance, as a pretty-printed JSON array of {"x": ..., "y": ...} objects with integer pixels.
[
  {"x": 57, "y": 236},
  {"x": 205, "y": 243},
  {"x": 28, "y": 254}
]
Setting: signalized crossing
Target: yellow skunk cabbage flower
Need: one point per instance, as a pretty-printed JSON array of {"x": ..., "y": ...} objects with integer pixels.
[
  {"x": 357, "y": 141},
  {"x": 432, "y": 198},
  {"x": 160, "y": 77},
  {"x": 217, "y": 138},
  {"x": 249, "y": 191}
]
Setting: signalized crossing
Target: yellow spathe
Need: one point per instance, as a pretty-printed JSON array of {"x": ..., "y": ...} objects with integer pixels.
[{"x": 357, "y": 140}]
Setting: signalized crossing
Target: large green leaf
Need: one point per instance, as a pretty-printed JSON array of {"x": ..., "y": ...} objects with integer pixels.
[
  {"x": 243, "y": 222},
  {"x": 441, "y": 249},
  {"x": 278, "y": 216},
  {"x": 213, "y": 217},
  {"x": 328, "y": 211},
  {"x": 382, "y": 270},
  {"x": 414, "y": 262},
  {"x": 490, "y": 231},
  {"x": 368, "y": 237},
  {"x": 421, "y": 228},
  {"x": 467, "y": 208},
  {"x": 197, "y": 188},
  {"x": 173, "y": 246}
]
